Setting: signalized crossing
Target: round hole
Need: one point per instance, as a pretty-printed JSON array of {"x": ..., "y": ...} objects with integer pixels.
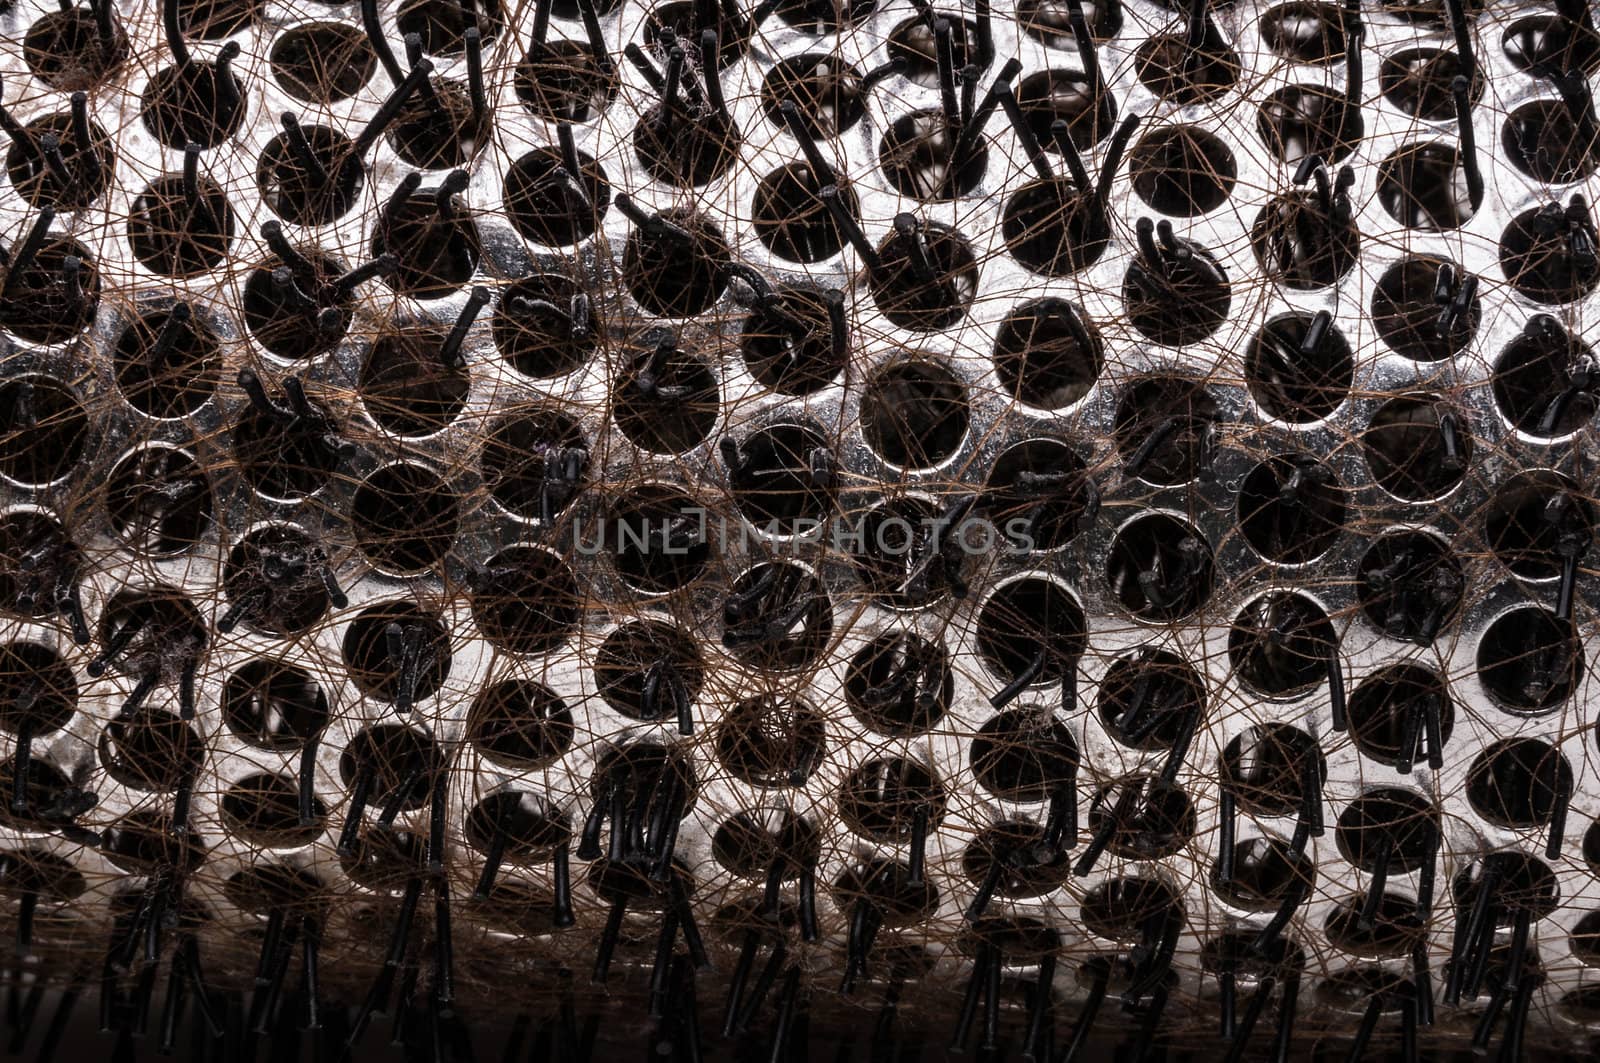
[
  {"x": 1293, "y": 384},
  {"x": 883, "y": 884},
  {"x": 142, "y": 842},
  {"x": 771, "y": 743},
  {"x": 159, "y": 501},
  {"x": 1291, "y": 509},
  {"x": 819, "y": 17},
  {"x": 167, "y": 374},
  {"x": 666, "y": 400},
  {"x": 407, "y": 387},
  {"x": 527, "y": 826},
  {"x": 51, "y": 300},
  {"x": 534, "y": 462},
  {"x": 285, "y": 457},
  {"x": 1417, "y": 447},
  {"x": 1160, "y": 568},
  {"x": 531, "y": 831},
  {"x": 1304, "y": 120},
  {"x": 914, "y": 414},
  {"x": 917, "y": 154},
  {"x": 37, "y": 561},
  {"x": 1529, "y": 661},
  {"x": 402, "y": 765},
  {"x": 1039, "y": 494},
  {"x": 1065, "y": 95},
  {"x": 556, "y": 208},
  {"x": 688, "y": 19},
  {"x": 914, "y": 43},
  {"x": 89, "y": 164},
  {"x": 899, "y": 683},
  {"x": 1302, "y": 244},
  {"x": 563, "y": 81},
  {"x": 381, "y": 648},
  {"x": 1050, "y": 21},
  {"x": 658, "y": 539},
  {"x": 1052, "y": 227},
  {"x": 284, "y": 325},
  {"x": 676, "y": 273},
  {"x": 151, "y": 750},
  {"x": 527, "y": 600},
  {"x": 1031, "y": 624},
  {"x": 274, "y": 581},
  {"x": 1304, "y": 32},
  {"x": 1048, "y": 353},
  {"x": 168, "y": 634},
  {"x": 1541, "y": 380},
  {"x": 1179, "y": 415},
  {"x": 1121, "y": 909},
  {"x": 1174, "y": 71},
  {"x": 1398, "y": 825},
  {"x": 1534, "y": 521},
  {"x": 794, "y": 351},
  {"x": 1281, "y": 645},
  {"x": 1395, "y": 929},
  {"x": 405, "y": 518},
  {"x": 881, "y": 798},
  {"x": 1425, "y": 186},
  {"x": 1521, "y": 883},
  {"x": 1024, "y": 755},
  {"x": 37, "y": 687},
  {"x": 928, "y": 278},
  {"x": 1538, "y": 42},
  {"x": 520, "y": 723},
  {"x": 1543, "y": 141},
  {"x": 1388, "y": 713},
  {"x": 1266, "y": 768},
  {"x": 298, "y": 193},
  {"x": 202, "y": 103},
  {"x": 750, "y": 843},
  {"x": 436, "y": 252},
  {"x": 66, "y": 51},
  {"x": 686, "y": 146},
  {"x": 1410, "y": 585},
  {"x": 51, "y": 801},
  {"x": 890, "y": 551},
  {"x": 44, "y": 430},
  {"x": 266, "y": 887},
  {"x": 177, "y": 239},
  {"x": 1418, "y": 82},
  {"x": 777, "y": 616},
  {"x": 272, "y": 704},
  {"x": 640, "y": 662},
  {"x": 827, "y": 92},
  {"x": 442, "y": 25},
  {"x": 773, "y": 480},
  {"x": 323, "y": 62},
  {"x": 1407, "y": 311},
  {"x": 1028, "y": 865},
  {"x": 643, "y": 767},
  {"x": 440, "y": 130},
  {"x": 1182, "y": 170},
  {"x": 265, "y": 810},
  {"x": 1538, "y": 259},
  {"x": 1186, "y": 304},
  {"x": 383, "y": 859},
  {"x": 1585, "y": 939},
  {"x": 1265, "y": 870},
  {"x": 211, "y": 20},
  {"x": 791, "y": 219},
  {"x": 533, "y": 326},
  {"x": 1518, "y": 783},
  {"x": 1146, "y": 697},
  {"x": 1159, "y": 822}
]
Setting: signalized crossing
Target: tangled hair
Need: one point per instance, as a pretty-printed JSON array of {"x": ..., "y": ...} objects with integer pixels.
[{"x": 840, "y": 525}]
